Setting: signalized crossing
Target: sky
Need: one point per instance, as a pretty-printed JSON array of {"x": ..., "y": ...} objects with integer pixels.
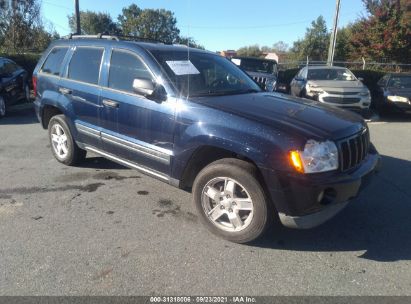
[{"x": 223, "y": 24}]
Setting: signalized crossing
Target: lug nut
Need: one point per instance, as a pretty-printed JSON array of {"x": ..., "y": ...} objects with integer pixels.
[
  {"x": 221, "y": 207},
  {"x": 230, "y": 210},
  {"x": 234, "y": 203}
]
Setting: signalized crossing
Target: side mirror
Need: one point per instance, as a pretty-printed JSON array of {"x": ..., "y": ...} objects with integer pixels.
[
  {"x": 143, "y": 86},
  {"x": 149, "y": 89},
  {"x": 298, "y": 79}
]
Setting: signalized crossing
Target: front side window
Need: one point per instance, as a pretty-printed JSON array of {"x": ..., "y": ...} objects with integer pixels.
[
  {"x": 85, "y": 64},
  {"x": 54, "y": 61},
  {"x": 124, "y": 68},
  {"x": 203, "y": 74}
]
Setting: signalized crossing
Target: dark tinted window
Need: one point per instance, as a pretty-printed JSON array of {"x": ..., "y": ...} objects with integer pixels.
[
  {"x": 124, "y": 68},
  {"x": 10, "y": 67},
  {"x": 85, "y": 64},
  {"x": 54, "y": 60}
]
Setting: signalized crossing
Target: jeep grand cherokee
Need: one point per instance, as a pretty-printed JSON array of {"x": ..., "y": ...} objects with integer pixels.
[{"x": 196, "y": 121}]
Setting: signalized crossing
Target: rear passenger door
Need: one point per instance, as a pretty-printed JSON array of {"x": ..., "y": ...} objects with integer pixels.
[
  {"x": 134, "y": 127},
  {"x": 80, "y": 88}
]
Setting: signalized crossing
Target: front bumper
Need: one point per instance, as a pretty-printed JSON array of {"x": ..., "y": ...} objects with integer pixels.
[
  {"x": 306, "y": 201},
  {"x": 352, "y": 102}
]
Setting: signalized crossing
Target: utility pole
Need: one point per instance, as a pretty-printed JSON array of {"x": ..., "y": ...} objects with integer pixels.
[
  {"x": 77, "y": 12},
  {"x": 333, "y": 39}
]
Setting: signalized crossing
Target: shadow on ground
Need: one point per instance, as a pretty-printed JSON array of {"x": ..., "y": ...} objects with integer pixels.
[
  {"x": 100, "y": 163},
  {"x": 378, "y": 222},
  {"x": 20, "y": 114}
]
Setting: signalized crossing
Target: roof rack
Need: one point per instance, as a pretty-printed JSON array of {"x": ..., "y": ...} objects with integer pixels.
[{"x": 113, "y": 37}]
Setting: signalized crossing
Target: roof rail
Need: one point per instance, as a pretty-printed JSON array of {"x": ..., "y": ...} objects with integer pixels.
[
  {"x": 98, "y": 36},
  {"x": 113, "y": 37}
]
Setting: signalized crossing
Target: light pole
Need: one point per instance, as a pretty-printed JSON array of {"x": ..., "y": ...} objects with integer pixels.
[{"x": 333, "y": 39}]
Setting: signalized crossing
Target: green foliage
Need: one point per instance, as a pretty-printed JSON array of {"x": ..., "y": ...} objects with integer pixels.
[
  {"x": 250, "y": 51},
  {"x": 314, "y": 44},
  {"x": 385, "y": 34},
  {"x": 189, "y": 41},
  {"x": 93, "y": 23},
  {"x": 156, "y": 24},
  {"x": 21, "y": 28},
  {"x": 26, "y": 61}
]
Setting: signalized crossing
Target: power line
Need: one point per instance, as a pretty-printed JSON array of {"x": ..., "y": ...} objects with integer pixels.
[{"x": 57, "y": 5}]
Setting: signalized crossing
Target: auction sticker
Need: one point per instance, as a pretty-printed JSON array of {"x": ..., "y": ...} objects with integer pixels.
[{"x": 182, "y": 67}]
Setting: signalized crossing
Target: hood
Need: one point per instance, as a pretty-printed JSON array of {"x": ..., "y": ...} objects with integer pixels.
[
  {"x": 338, "y": 85},
  {"x": 404, "y": 92},
  {"x": 304, "y": 117}
]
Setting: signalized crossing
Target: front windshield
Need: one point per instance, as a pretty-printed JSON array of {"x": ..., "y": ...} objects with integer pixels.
[
  {"x": 258, "y": 66},
  {"x": 400, "y": 82},
  {"x": 330, "y": 74},
  {"x": 204, "y": 74}
]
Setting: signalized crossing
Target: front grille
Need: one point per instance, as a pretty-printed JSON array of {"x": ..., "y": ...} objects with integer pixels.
[
  {"x": 354, "y": 150},
  {"x": 342, "y": 93},
  {"x": 260, "y": 80},
  {"x": 342, "y": 100}
]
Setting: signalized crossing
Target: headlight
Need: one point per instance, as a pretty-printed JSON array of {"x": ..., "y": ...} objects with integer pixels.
[
  {"x": 364, "y": 93},
  {"x": 397, "y": 98},
  {"x": 316, "y": 157},
  {"x": 313, "y": 89}
]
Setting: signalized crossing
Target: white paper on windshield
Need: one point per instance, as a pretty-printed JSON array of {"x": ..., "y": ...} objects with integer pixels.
[
  {"x": 182, "y": 67},
  {"x": 236, "y": 61}
]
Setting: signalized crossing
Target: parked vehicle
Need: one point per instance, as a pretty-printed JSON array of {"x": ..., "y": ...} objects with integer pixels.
[
  {"x": 263, "y": 71},
  {"x": 14, "y": 84},
  {"x": 201, "y": 124},
  {"x": 394, "y": 92},
  {"x": 336, "y": 86}
]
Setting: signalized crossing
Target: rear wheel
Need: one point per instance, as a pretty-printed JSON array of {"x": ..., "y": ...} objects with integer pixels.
[
  {"x": 26, "y": 92},
  {"x": 64, "y": 149},
  {"x": 230, "y": 200},
  {"x": 2, "y": 107}
]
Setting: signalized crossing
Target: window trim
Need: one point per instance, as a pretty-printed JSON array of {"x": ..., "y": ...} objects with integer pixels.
[
  {"x": 153, "y": 76},
  {"x": 66, "y": 73},
  {"x": 48, "y": 55}
]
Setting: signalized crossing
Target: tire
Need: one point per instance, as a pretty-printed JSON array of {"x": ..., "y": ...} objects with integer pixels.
[
  {"x": 26, "y": 92},
  {"x": 64, "y": 149},
  {"x": 248, "y": 222},
  {"x": 3, "y": 107}
]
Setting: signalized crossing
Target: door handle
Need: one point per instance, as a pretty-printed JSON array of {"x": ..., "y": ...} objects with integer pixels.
[
  {"x": 110, "y": 103},
  {"x": 65, "y": 91}
]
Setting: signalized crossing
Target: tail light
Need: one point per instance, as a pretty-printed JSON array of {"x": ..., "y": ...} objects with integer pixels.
[{"x": 34, "y": 79}]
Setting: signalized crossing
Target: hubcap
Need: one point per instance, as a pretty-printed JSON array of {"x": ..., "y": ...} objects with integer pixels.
[
  {"x": 227, "y": 204},
  {"x": 2, "y": 107},
  {"x": 59, "y": 141}
]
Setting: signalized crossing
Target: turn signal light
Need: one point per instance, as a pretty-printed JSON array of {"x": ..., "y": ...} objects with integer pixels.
[
  {"x": 296, "y": 161},
  {"x": 34, "y": 79}
]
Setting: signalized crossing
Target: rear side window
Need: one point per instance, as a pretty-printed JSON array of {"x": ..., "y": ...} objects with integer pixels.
[
  {"x": 124, "y": 68},
  {"x": 85, "y": 64},
  {"x": 54, "y": 61}
]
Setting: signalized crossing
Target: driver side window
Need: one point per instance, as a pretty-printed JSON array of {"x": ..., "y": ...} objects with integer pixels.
[{"x": 125, "y": 66}]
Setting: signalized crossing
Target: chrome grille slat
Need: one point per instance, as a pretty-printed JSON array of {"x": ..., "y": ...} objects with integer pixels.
[{"x": 353, "y": 150}]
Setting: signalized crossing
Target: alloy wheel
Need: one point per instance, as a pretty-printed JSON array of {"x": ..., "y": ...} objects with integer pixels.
[
  {"x": 59, "y": 141},
  {"x": 227, "y": 204}
]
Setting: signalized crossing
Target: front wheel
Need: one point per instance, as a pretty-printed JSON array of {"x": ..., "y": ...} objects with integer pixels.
[
  {"x": 64, "y": 148},
  {"x": 2, "y": 107},
  {"x": 230, "y": 200}
]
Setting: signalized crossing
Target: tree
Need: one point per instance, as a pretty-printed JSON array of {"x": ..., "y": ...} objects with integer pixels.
[
  {"x": 343, "y": 47},
  {"x": 314, "y": 44},
  {"x": 280, "y": 47},
  {"x": 250, "y": 51},
  {"x": 20, "y": 25},
  {"x": 189, "y": 41},
  {"x": 156, "y": 24},
  {"x": 385, "y": 34},
  {"x": 93, "y": 23}
]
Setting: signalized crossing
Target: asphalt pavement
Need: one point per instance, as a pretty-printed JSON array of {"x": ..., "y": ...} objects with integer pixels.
[{"x": 102, "y": 229}]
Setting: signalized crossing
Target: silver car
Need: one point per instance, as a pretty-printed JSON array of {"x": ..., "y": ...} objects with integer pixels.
[{"x": 335, "y": 86}]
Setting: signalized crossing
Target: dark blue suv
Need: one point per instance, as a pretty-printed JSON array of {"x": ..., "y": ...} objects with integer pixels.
[{"x": 196, "y": 121}]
